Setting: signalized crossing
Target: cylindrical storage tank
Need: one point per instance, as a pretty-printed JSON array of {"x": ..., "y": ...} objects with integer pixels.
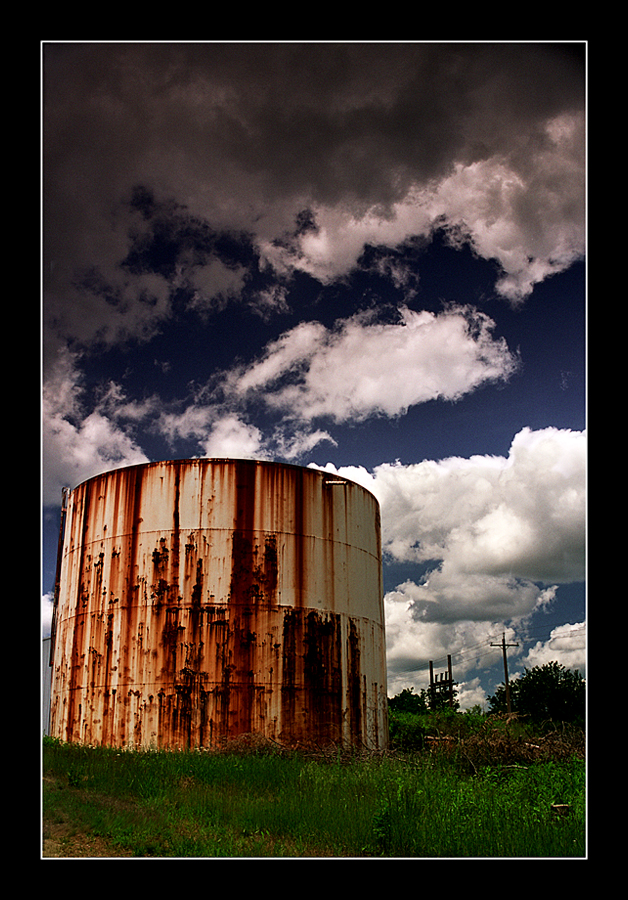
[{"x": 203, "y": 599}]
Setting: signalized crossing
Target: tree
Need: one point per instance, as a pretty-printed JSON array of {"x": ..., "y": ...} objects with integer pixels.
[
  {"x": 408, "y": 701},
  {"x": 440, "y": 700},
  {"x": 545, "y": 692}
]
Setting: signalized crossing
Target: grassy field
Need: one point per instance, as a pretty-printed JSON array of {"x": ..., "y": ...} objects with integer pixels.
[{"x": 452, "y": 798}]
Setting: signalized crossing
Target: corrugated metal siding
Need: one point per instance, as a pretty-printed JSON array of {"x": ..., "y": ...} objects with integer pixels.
[{"x": 203, "y": 599}]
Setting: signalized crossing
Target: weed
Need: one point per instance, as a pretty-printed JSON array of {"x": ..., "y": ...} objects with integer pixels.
[{"x": 261, "y": 803}]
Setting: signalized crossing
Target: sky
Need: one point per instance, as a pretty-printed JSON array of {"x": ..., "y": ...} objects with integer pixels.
[{"x": 368, "y": 258}]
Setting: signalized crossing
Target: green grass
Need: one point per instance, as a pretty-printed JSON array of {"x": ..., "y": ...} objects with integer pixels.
[{"x": 271, "y": 803}]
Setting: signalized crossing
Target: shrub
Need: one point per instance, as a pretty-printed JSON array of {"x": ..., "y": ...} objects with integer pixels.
[
  {"x": 406, "y": 730},
  {"x": 548, "y": 693}
]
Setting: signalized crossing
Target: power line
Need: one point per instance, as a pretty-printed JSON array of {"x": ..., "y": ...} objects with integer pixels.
[{"x": 484, "y": 648}]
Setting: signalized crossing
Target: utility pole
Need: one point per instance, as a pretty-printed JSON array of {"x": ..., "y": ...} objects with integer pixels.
[
  {"x": 442, "y": 681},
  {"x": 504, "y": 645},
  {"x": 450, "y": 682}
]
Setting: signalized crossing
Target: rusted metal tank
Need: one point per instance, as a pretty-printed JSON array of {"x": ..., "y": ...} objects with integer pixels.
[{"x": 199, "y": 600}]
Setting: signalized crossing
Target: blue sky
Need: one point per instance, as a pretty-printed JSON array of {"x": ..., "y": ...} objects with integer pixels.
[{"x": 366, "y": 257}]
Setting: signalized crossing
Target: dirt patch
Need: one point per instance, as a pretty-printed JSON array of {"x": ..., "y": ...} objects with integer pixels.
[
  {"x": 62, "y": 842},
  {"x": 61, "y": 838}
]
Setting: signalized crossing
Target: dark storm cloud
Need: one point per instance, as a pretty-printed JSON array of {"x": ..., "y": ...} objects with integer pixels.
[
  {"x": 331, "y": 121},
  {"x": 252, "y": 138}
]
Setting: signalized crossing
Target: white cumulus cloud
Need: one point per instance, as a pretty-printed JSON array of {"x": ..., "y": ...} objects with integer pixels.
[
  {"x": 230, "y": 437},
  {"x": 495, "y": 535},
  {"x": 566, "y": 645},
  {"x": 364, "y": 367},
  {"x": 75, "y": 445},
  {"x": 521, "y": 516}
]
